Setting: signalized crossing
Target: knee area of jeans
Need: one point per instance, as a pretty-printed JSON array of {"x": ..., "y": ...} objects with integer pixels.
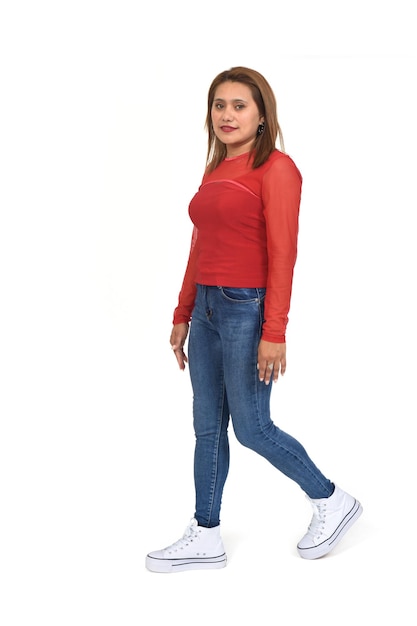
[
  {"x": 255, "y": 436},
  {"x": 246, "y": 441}
]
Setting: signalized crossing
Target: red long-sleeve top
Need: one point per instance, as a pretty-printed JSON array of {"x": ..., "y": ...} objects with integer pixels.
[{"x": 245, "y": 235}]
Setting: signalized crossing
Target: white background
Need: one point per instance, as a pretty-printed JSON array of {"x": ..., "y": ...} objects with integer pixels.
[{"x": 102, "y": 146}]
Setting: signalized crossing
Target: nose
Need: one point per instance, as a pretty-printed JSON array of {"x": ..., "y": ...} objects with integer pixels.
[{"x": 227, "y": 114}]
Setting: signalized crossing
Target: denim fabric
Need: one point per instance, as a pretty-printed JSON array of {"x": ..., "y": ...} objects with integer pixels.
[{"x": 222, "y": 351}]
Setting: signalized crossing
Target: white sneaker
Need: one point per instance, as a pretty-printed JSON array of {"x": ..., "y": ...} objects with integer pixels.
[
  {"x": 199, "y": 548},
  {"x": 332, "y": 518}
]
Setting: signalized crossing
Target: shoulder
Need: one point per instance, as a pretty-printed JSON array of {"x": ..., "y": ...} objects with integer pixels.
[{"x": 280, "y": 162}]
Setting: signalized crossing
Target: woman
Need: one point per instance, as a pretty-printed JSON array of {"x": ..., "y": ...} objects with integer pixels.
[{"x": 236, "y": 297}]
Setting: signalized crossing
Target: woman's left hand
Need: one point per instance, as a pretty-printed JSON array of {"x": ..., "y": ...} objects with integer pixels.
[{"x": 271, "y": 360}]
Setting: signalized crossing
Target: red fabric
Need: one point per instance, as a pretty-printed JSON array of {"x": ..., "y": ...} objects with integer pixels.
[{"x": 245, "y": 235}]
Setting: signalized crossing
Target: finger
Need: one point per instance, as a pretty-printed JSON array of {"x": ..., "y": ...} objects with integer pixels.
[
  {"x": 279, "y": 368},
  {"x": 265, "y": 371},
  {"x": 269, "y": 370},
  {"x": 180, "y": 359},
  {"x": 261, "y": 371},
  {"x": 180, "y": 356}
]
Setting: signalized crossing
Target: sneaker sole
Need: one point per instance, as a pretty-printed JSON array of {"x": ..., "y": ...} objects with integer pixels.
[
  {"x": 324, "y": 548},
  {"x": 169, "y": 566}
]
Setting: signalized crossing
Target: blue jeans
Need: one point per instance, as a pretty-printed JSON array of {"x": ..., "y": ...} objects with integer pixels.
[{"x": 222, "y": 351}]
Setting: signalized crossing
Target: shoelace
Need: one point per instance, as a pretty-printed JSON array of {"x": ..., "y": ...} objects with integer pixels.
[
  {"x": 318, "y": 520},
  {"x": 190, "y": 534}
]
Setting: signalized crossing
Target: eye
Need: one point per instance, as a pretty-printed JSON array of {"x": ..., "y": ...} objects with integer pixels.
[
  {"x": 240, "y": 106},
  {"x": 218, "y": 106}
]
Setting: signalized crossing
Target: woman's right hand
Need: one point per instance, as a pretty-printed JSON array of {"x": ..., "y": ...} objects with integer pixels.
[{"x": 178, "y": 336}]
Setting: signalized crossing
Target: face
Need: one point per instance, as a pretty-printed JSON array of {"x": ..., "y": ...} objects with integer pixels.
[{"x": 235, "y": 117}]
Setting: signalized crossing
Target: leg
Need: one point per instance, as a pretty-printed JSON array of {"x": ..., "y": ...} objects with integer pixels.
[
  {"x": 201, "y": 546},
  {"x": 210, "y": 412},
  {"x": 254, "y": 428},
  {"x": 238, "y": 317},
  {"x": 335, "y": 511}
]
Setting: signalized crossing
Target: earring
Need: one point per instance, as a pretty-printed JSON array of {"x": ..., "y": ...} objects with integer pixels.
[{"x": 261, "y": 128}]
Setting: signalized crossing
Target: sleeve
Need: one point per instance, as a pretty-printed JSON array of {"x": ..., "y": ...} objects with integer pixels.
[
  {"x": 281, "y": 194},
  {"x": 186, "y": 297}
]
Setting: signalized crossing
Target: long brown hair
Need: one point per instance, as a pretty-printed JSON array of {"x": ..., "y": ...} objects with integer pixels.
[{"x": 265, "y": 100}]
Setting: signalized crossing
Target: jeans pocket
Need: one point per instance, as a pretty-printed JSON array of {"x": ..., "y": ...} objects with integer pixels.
[{"x": 243, "y": 294}]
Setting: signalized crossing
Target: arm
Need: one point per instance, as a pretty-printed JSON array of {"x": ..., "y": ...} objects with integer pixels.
[
  {"x": 182, "y": 313},
  {"x": 281, "y": 197}
]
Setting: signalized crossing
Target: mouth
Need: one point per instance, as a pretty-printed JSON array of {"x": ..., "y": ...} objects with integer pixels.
[{"x": 227, "y": 129}]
